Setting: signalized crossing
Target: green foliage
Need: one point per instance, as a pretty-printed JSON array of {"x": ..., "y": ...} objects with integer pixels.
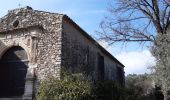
[
  {"x": 108, "y": 90},
  {"x": 76, "y": 87},
  {"x": 140, "y": 86},
  {"x": 70, "y": 88}
]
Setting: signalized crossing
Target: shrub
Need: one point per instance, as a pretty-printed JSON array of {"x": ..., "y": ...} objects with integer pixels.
[
  {"x": 107, "y": 90},
  {"x": 69, "y": 88},
  {"x": 76, "y": 87}
]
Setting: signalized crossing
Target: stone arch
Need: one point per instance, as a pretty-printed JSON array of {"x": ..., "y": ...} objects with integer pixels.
[{"x": 12, "y": 44}]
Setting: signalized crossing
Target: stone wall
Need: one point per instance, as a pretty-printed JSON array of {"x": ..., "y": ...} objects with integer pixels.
[
  {"x": 79, "y": 53},
  {"x": 49, "y": 46},
  {"x": 76, "y": 52}
]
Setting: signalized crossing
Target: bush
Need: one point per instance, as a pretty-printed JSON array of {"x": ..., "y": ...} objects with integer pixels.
[
  {"x": 70, "y": 88},
  {"x": 110, "y": 90},
  {"x": 76, "y": 87},
  {"x": 107, "y": 90}
]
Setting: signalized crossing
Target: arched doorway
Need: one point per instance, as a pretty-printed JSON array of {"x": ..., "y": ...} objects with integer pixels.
[{"x": 13, "y": 70}]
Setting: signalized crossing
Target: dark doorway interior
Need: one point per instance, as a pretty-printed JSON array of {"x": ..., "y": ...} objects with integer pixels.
[{"x": 13, "y": 69}]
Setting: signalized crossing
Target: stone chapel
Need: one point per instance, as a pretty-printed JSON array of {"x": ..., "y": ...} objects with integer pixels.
[{"x": 35, "y": 44}]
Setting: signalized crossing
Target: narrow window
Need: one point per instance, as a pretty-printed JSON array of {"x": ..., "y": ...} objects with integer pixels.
[
  {"x": 120, "y": 75},
  {"x": 101, "y": 68}
]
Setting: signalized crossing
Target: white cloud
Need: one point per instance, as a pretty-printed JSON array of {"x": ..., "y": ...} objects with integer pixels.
[{"x": 136, "y": 62}]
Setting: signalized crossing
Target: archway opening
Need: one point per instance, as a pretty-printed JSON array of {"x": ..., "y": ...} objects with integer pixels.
[{"x": 13, "y": 70}]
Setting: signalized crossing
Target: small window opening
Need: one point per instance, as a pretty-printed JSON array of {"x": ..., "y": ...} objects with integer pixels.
[{"x": 16, "y": 23}]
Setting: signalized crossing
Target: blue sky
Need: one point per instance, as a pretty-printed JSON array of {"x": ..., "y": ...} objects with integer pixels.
[{"x": 88, "y": 14}]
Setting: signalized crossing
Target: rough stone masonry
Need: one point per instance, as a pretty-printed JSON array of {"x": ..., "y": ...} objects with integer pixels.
[{"x": 47, "y": 44}]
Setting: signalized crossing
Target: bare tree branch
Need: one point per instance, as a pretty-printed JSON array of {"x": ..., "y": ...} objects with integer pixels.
[{"x": 136, "y": 21}]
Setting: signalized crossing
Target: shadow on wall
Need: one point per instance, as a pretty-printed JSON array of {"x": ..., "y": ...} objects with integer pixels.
[{"x": 2, "y": 48}]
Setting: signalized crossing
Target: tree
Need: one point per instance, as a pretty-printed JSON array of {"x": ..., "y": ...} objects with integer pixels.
[
  {"x": 135, "y": 20},
  {"x": 142, "y": 21},
  {"x": 141, "y": 85}
]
